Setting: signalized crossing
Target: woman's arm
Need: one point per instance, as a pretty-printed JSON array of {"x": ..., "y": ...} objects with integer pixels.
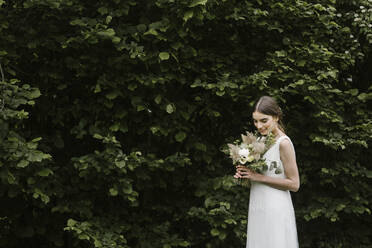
[{"x": 288, "y": 157}]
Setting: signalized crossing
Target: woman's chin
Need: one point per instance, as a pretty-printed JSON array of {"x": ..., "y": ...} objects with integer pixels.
[{"x": 263, "y": 132}]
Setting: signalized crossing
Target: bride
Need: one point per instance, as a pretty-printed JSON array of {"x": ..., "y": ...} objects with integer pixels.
[{"x": 271, "y": 218}]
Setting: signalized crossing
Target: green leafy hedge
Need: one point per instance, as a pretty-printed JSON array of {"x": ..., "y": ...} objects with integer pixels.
[{"x": 115, "y": 114}]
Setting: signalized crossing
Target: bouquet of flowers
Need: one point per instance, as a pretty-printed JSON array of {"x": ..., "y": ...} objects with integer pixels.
[{"x": 249, "y": 152}]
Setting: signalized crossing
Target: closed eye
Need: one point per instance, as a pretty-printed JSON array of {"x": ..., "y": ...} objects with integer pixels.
[{"x": 263, "y": 120}]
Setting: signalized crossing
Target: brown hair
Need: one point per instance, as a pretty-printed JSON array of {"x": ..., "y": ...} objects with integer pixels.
[{"x": 268, "y": 106}]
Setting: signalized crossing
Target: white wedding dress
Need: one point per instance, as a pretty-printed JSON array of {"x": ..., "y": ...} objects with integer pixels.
[{"x": 271, "y": 218}]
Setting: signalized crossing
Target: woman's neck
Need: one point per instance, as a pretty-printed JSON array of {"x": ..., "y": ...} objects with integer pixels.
[{"x": 277, "y": 133}]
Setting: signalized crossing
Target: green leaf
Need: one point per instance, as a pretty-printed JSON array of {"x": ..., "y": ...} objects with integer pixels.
[
  {"x": 113, "y": 192},
  {"x": 71, "y": 222},
  {"x": 164, "y": 56},
  {"x": 301, "y": 63},
  {"x": 170, "y": 108},
  {"x": 141, "y": 28},
  {"x": 230, "y": 221},
  {"x": 198, "y": 2},
  {"x": 112, "y": 95},
  {"x": 108, "y": 19},
  {"x": 158, "y": 99},
  {"x": 36, "y": 139},
  {"x": 353, "y": 92},
  {"x": 97, "y": 89},
  {"x": 23, "y": 163},
  {"x": 140, "y": 108},
  {"x": 180, "y": 136},
  {"x": 128, "y": 189},
  {"x": 201, "y": 147},
  {"x": 36, "y": 156},
  {"x": 34, "y": 94},
  {"x": 120, "y": 164},
  {"x": 215, "y": 232},
  {"x": 97, "y": 136},
  {"x": 184, "y": 244},
  {"x": 107, "y": 33},
  {"x": 189, "y": 14},
  {"x": 45, "y": 172},
  {"x": 364, "y": 96},
  {"x": 281, "y": 53},
  {"x": 102, "y": 10},
  {"x": 115, "y": 127},
  {"x": 97, "y": 243},
  {"x": 11, "y": 178},
  {"x": 152, "y": 32},
  {"x": 116, "y": 40},
  {"x": 222, "y": 235},
  {"x": 78, "y": 22}
]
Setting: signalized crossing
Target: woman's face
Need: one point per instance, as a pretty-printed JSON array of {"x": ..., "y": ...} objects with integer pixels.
[{"x": 265, "y": 123}]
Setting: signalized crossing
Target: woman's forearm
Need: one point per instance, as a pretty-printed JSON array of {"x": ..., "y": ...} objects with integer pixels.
[{"x": 279, "y": 183}]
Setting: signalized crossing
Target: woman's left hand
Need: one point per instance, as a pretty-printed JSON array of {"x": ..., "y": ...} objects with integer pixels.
[{"x": 244, "y": 172}]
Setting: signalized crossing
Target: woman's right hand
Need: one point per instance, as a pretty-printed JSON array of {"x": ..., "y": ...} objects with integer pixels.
[{"x": 238, "y": 170}]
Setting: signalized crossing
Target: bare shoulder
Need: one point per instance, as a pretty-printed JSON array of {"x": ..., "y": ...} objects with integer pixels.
[{"x": 286, "y": 145}]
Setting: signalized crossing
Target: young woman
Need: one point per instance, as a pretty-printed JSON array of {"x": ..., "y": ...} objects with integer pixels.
[{"x": 271, "y": 218}]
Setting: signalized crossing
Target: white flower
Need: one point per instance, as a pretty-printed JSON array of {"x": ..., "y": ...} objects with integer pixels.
[
  {"x": 244, "y": 152},
  {"x": 245, "y": 156}
]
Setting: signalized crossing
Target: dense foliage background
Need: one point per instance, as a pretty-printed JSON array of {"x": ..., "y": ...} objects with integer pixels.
[{"x": 114, "y": 114}]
